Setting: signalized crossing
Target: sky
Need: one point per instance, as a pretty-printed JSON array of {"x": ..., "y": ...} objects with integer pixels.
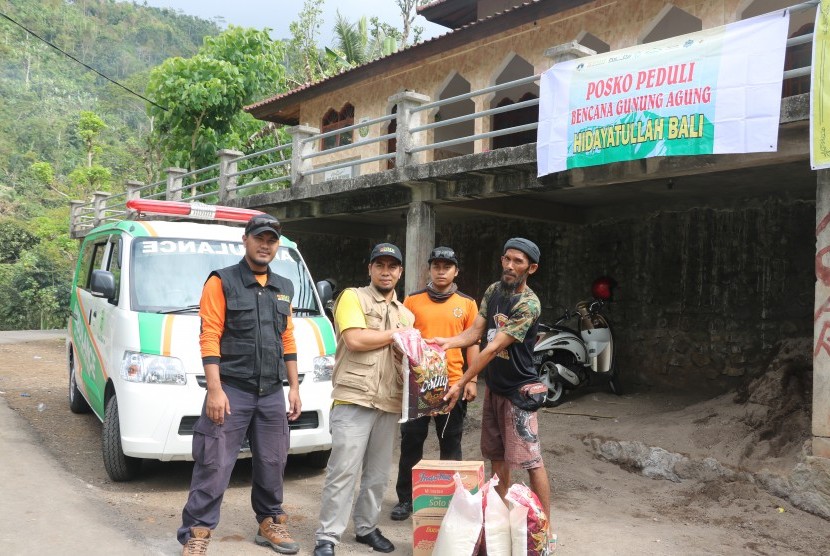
[{"x": 278, "y": 14}]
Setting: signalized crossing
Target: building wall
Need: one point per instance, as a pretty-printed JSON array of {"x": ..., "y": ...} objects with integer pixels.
[{"x": 703, "y": 295}]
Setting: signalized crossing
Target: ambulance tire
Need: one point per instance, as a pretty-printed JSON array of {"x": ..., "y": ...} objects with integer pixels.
[
  {"x": 77, "y": 403},
  {"x": 119, "y": 467},
  {"x": 319, "y": 459}
]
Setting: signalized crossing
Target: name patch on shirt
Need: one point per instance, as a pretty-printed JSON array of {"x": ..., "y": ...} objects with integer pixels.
[{"x": 283, "y": 297}]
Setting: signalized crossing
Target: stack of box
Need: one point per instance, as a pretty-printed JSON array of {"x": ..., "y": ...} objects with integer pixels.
[{"x": 432, "y": 490}]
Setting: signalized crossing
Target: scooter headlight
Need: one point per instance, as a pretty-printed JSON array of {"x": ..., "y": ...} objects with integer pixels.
[{"x": 152, "y": 369}]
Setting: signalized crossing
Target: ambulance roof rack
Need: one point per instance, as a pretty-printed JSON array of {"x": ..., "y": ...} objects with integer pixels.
[{"x": 195, "y": 211}]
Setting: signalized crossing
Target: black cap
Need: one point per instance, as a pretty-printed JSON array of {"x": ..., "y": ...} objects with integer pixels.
[
  {"x": 525, "y": 246},
  {"x": 263, "y": 223},
  {"x": 443, "y": 254},
  {"x": 386, "y": 250}
]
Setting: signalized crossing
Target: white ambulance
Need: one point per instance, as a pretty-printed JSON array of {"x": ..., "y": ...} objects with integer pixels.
[{"x": 133, "y": 335}]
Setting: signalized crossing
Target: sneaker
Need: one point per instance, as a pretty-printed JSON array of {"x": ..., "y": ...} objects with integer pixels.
[
  {"x": 401, "y": 511},
  {"x": 273, "y": 532},
  {"x": 197, "y": 544}
]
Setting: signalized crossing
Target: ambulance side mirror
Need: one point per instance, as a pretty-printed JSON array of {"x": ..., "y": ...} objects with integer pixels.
[
  {"x": 326, "y": 292},
  {"x": 102, "y": 284}
]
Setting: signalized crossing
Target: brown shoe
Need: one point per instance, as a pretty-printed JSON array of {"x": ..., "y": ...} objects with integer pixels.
[
  {"x": 197, "y": 544},
  {"x": 273, "y": 532}
]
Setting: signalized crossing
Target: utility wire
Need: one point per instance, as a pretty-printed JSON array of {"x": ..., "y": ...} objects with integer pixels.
[{"x": 80, "y": 62}]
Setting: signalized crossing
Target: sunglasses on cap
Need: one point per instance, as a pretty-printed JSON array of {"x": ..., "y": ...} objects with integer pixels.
[{"x": 258, "y": 225}]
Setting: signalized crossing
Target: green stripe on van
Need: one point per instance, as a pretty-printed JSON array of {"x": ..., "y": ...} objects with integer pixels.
[
  {"x": 326, "y": 332},
  {"x": 149, "y": 332}
]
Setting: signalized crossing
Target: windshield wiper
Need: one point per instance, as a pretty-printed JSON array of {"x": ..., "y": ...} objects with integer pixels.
[
  {"x": 306, "y": 310},
  {"x": 187, "y": 309}
]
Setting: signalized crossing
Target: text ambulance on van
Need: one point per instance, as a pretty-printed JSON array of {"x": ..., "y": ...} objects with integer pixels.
[{"x": 133, "y": 343}]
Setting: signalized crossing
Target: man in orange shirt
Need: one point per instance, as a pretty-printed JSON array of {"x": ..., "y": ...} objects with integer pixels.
[
  {"x": 440, "y": 311},
  {"x": 248, "y": 349}
]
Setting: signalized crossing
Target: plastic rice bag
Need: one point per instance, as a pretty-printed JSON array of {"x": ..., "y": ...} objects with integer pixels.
[
  {"x": 528, "y": 522},
  {"x": 425, "y": 376}
]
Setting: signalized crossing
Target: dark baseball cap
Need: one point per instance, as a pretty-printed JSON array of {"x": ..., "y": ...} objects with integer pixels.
[
  {"x": 443, "y": 254},
  {"x": 263, "y": 223},
  {"x": 386, "y": 250}
]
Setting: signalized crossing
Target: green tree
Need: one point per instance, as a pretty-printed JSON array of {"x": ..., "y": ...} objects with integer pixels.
[
  {"x": 84, "y": 181},
  {"x": 89, "y": 126},
  {"x": 14, "y": 239},
  {"x": 409, "y": 12},
  {"x": 203, "y": 95}
]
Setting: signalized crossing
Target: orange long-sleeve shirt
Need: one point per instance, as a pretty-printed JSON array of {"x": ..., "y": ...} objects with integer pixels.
[{"x": 212, "y": 311}]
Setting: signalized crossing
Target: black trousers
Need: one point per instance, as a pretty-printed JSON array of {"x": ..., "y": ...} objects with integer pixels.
[{"x": 413, "y": 435}]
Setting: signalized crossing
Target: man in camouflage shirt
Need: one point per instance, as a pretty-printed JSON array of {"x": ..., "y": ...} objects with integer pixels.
[{"x": 506, "y": 324}]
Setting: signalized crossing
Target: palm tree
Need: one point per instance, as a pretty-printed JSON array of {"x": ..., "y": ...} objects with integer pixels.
[{"x": 356, "y": 45}]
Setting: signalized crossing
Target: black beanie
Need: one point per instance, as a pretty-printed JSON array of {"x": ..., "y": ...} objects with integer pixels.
[{"x": 525, "y": 246}]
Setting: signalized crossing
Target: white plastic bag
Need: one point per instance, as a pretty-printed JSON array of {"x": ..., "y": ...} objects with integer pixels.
[
  {"x": 461, "y": 526},
  {"x": 496, "y": 521},
  {"x": 518, "y": 529}
]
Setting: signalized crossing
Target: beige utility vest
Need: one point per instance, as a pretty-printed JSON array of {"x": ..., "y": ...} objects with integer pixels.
[{"x": 372, "y": 378}]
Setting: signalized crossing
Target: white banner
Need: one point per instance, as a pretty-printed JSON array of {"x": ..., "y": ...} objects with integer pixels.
[{"x": 712, "y": 92}]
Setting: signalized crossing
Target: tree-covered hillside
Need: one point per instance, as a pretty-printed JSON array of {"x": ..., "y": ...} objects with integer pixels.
[{"x": 65, "y": 130}]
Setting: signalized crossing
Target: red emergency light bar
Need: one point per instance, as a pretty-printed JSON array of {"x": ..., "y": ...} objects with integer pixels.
[{"x": 199, "y": 211}]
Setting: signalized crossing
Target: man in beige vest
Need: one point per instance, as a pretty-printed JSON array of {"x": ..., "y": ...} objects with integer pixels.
[{"x": 367, "y": 393}]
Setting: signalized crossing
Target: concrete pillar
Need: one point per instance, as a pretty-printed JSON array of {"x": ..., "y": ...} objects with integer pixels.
[
  {"x": 300, "y": 149},
  {"x": 227, "y": 167},
  {"x": 406, "y": 101},
  {"x": 420, "y": 239},
  {"x": 821, "y": 322},
  {"x": 568, "y": 51},
  {"x": 133, "y": 189},
  {"x": 99, "y": 207},
  {"x": 174, "y": 183},
  {"x": 75, "y": 218}
]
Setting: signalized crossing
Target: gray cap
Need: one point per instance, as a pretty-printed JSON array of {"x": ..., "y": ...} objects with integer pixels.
[{"x": 525, "y": 246}]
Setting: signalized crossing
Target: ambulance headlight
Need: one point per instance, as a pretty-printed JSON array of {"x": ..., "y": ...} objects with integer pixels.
[
  {"x": 323, "y": 368},
  {"x": 152, "y": 369}
]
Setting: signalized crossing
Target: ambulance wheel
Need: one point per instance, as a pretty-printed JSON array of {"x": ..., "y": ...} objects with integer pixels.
[
  {"x": 119, "y": 467},
  {"x": 319, "y": 459},
  {"x": 77, "y": 403}
]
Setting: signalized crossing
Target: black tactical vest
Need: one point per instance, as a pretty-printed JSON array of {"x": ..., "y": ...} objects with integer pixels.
[{"x": 251, "y": 351}]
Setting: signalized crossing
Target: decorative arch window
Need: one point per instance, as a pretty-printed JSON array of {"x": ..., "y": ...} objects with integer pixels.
[{"x": 332, "y": 121}]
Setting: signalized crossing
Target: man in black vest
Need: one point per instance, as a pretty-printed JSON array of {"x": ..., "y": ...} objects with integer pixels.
[{"x": 248, "y": 350}]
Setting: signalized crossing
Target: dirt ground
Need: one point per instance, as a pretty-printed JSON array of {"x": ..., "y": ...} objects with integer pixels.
[{"x": 598, "y": 506}]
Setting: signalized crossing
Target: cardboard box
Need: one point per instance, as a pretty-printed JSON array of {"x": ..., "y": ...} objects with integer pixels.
[
  {"x": 424, "y": 533},
  {"x": 433, "y": 485}
]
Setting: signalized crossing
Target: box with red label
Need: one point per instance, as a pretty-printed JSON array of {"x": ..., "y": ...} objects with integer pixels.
[
  {"x": 433, "y": 484},
  {"x": 424, "y": 532}
]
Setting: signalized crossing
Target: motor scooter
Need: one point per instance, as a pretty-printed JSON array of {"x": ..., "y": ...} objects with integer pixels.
[{"x": 568, "y": 358}]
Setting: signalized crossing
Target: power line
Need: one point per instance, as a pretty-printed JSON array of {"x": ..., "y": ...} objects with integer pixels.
[{"x": 68, "y": 55}]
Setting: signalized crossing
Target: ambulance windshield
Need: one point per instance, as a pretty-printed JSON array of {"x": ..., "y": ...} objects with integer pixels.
[{"x": 168, "y": 273}]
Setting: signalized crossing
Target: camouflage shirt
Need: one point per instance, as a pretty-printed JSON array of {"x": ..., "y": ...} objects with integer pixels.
[{"x": 517, "y": 316}]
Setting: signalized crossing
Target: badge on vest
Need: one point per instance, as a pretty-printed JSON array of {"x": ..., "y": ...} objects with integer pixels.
[{"x": 283, "y": 297}]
